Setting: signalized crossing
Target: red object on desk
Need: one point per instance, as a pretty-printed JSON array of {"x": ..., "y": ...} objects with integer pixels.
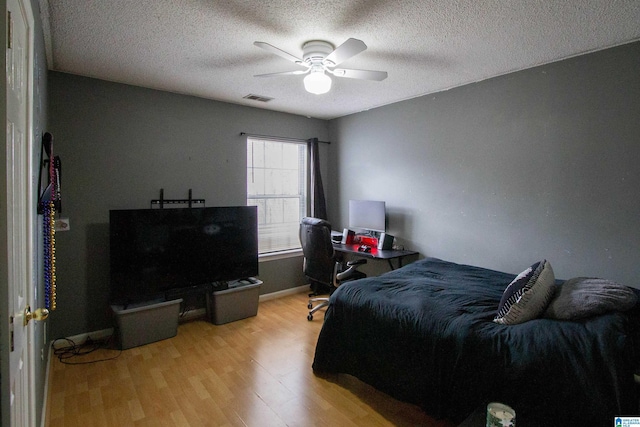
[
  {"x": 369, "y": 241},
  {"x": 375, "y": 253},
  {"x": 355, "y": 249}
]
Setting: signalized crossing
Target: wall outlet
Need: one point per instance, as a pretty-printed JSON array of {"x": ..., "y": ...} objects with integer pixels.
[{"x": 62, "y": 224}]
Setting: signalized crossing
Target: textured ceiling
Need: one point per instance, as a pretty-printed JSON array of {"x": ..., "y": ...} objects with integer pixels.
[{"x": 205, "y": 48}]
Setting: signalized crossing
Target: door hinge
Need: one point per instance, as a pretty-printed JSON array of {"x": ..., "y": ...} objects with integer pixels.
[
  {"x": 11, "y": 332},
  {"x": 9, "y": 30}
]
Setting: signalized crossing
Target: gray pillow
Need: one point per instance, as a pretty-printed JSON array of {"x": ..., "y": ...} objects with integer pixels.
[{"x": 582, "y": 297}]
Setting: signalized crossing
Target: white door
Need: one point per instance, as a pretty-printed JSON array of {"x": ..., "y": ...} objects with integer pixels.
[{"x": 20, "y": 207}]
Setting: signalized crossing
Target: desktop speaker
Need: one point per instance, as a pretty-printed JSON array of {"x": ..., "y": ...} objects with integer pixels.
[
  {"x": 385, "y": 242},
  {"x": 348, "y": 236}
]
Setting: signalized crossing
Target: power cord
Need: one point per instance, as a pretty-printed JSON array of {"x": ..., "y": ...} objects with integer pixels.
[{"x": 67, "y": 353}]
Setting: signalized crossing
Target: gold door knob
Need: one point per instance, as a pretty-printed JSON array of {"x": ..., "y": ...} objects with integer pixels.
[{"x": 39, "y": 314}]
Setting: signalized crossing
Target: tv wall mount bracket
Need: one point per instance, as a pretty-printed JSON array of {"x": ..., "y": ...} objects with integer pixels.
[{"x": 159, "y": 203}]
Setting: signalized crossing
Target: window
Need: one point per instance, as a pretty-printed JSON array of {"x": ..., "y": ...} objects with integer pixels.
[{"x": 277, "y": 184}]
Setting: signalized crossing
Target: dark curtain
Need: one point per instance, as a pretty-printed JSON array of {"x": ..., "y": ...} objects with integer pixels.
[{"x": 318, "y": 202}]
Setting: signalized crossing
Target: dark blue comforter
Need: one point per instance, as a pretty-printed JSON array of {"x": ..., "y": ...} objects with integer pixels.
[{"x": 424, "y": 334}]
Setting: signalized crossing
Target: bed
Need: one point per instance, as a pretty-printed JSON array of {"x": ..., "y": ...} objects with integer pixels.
[{"x": 425, "y": 334}]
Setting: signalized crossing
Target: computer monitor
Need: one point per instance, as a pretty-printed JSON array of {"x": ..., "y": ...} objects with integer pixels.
[{"x": 367, "y": 215}]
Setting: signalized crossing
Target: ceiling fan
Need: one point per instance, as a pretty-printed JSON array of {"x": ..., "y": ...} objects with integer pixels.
[{"x": 319, "y": 58}]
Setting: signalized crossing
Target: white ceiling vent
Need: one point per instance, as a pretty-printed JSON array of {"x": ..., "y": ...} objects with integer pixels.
[{"x": 259, "y": 98}]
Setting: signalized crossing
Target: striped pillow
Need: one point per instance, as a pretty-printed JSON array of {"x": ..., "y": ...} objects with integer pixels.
[{"x": 528, "y": 295}]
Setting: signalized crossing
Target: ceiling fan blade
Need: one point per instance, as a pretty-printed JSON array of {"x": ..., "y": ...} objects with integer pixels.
[
  {"x": 346, "y": 50},
  {"x": 281, "y": 53},
  {"x": 285, "y": 73},
  {"x": 360, "y": 74}
]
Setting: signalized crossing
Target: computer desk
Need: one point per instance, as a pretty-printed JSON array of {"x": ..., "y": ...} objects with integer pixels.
[{"x": 389, "y": 254}]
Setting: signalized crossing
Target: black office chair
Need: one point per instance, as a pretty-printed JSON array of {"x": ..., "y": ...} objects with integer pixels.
[{"x": 321, "y": 266}]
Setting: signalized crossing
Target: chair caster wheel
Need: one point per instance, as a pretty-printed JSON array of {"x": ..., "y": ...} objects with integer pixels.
[
  {"x": 310, "y": 317},
  {"x": 309, "y": 306}
]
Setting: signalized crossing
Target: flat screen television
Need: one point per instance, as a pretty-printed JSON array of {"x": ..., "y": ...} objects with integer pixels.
[
  {"x": 154, "y": 251},
  {"x": 367, "y": 215}
]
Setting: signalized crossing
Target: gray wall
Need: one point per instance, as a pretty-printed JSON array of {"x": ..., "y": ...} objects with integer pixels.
[
  {"x": 542, "y": 163},
  {"x": 119, "y": 146}
]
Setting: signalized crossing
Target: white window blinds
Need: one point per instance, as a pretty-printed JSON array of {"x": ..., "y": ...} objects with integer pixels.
[{"x": 277, "y": 184}]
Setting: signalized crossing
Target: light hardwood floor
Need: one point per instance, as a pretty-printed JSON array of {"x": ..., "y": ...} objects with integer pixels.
[{"x": 252, "y": 372}]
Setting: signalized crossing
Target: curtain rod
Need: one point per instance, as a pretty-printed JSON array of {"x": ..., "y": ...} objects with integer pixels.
[{"x": 282, "y": 138}]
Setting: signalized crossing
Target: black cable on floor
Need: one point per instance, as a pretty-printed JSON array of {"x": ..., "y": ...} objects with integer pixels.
[{"x": 67, "y": 353}]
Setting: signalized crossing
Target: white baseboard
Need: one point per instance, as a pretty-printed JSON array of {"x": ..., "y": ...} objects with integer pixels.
[
  {"x": 284, "y": 293},
  {"x": 104, "y": 333},
  {"x": 80, "y": 338}
]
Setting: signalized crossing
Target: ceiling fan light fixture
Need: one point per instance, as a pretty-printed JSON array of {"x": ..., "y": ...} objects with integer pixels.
[
  {"x": 319, "y": 58},
  {"x": 317, "y": 82}
]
